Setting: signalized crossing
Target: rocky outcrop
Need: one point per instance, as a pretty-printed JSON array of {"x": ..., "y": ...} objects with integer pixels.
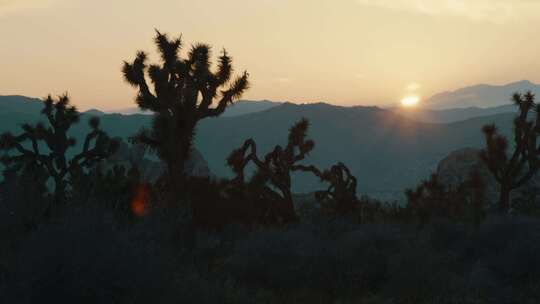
[
  {"x": 129, "y": 156},
  {"x": 457, "y": 166}
]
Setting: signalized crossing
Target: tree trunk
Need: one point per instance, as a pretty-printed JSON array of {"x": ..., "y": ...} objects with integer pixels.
[
  {"x": 289, "y": 212},
  {"x": 175, "y": 175},
  {"x": 174, "y": 182},
  {"x": 59, "y": 191},
  {"x": 504, "y": 199}
]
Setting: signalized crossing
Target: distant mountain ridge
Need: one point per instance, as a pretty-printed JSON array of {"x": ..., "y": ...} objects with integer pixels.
[
  {"x": 241, "y": 107},
  {"x": 19, "y": 104},
  {"x": 385, "y": 150},
  {"x": 481, "y": 96},
  {"x": 451, "y": 115}
]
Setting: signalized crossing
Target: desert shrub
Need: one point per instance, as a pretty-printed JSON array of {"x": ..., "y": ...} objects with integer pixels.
[
  {"x": 333, "y": 260},
  {"x": 85, "y": 254},
  {"x": 526, "y": 202},
  {"x": 217, "y": 204},
  {"x": 435, "y": 200},
  {"x": 375, "y": 211},
  {"x": 419, "y": 275},
  {"x": 23, "y": 206},
  {"x": 507, "y": 250},
  {"x": 114, "y": 189},
  {"x": 82, "y": 256}
]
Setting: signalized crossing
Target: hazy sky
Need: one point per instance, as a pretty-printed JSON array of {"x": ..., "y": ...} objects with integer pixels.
[{"x": 338, "y": 51}]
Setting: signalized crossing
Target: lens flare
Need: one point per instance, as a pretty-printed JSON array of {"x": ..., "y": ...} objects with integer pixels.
[{"x": 139, "y": 204}]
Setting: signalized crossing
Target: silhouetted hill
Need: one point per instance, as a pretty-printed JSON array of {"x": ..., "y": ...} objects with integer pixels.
[
  {"x": 94, "y": 112},
  {"x": 239, "y": 108},
  {"x": 19, "y": 104},
  {"x": 243, "y": 107},
  {"x": 482, "y": 96},
  {"x": 452, "y": 115},
  {"x": 386, "y": 151}
]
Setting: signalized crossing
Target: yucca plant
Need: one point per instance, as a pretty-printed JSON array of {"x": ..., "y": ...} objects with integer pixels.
[
  {"x": 340, "y": 196},
  {"x": 274, "y": 171},
  {"x": 184, "y": 91},
  {"x": 514, "y": 170},
  {"x": 47, "y": 144}
]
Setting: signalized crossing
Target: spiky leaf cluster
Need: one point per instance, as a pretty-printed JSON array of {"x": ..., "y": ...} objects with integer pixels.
[
  {"x": 184, "y": 91},
  {"x": 514, "y": 169},
  {"x": 46, "y": 144},
  {"x": 340, "y": 196},
  {"x": 274, "y": 170}
]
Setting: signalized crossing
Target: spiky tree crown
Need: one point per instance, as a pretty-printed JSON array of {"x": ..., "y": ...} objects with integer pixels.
[
  {"x": 61, "y": 116},
  {"x": 278, "y": 162},
  {"x": 341, "y": 192},
  {"x": 516, "y": 168},
  {"x": 274, "y": 170},
  {"x": 185, "y": 90}
]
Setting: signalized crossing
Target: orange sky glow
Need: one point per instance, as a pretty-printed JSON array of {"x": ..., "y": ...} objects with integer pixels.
[{"x": 361, "y": 52}]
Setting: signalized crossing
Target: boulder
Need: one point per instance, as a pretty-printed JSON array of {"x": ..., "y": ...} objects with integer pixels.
[
  {"x": 150, "y": 169},
  {"x": 457, "y": 166}
]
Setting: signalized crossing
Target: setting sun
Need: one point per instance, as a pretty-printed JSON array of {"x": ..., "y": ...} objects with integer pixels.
[{"x": 410, "y": 101}]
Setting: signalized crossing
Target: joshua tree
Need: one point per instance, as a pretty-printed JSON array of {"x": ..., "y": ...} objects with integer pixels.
[
  {"x": 513, "y": 171},
  {"x": 46, "y": 145},
  {"x": 274, "y": 171},
  {"x": 341, "y": 193},
  {"x": 184, "y": 92}
]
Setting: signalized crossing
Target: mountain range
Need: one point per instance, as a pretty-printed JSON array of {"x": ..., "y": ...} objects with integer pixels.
[
  {"x": 446, "y": 107},
  {"x": 451, "y": 115},
  {"x": 241, "y": 107},
  {"x": 481, "y": 96},
  {"x": 388, "y": 152}
]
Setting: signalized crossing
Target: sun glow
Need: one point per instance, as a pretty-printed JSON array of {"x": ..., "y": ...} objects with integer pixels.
[{"x": 410, "y": 101}]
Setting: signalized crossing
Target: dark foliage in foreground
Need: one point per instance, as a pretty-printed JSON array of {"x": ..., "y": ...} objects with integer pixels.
[
  {"x": 432, "y": 199},
  {"x": 86, "y": 255}
]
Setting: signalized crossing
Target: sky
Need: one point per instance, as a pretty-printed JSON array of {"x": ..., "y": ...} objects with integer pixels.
[{"x": 346, "y": 52}]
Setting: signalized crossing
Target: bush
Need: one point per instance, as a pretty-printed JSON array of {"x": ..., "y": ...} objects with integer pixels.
[{"x": 82, "y": 256}]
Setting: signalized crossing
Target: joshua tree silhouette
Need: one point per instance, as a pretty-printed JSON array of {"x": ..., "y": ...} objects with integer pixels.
[
  {"x": 340, "y": 197},
  {"x": 48, "y": 144},
  {"x": 184, "y": 92},
  {"x": 515, "y": 170},
  {"x": 274, "y": 171}
]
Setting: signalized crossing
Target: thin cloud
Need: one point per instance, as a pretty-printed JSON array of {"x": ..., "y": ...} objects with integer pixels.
[
  {"x": 9, "y": 6},
  {"x": 479, "y": 10},
  {"x": 283, "y": 80},
  {"x": 413, "y": 87}
]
